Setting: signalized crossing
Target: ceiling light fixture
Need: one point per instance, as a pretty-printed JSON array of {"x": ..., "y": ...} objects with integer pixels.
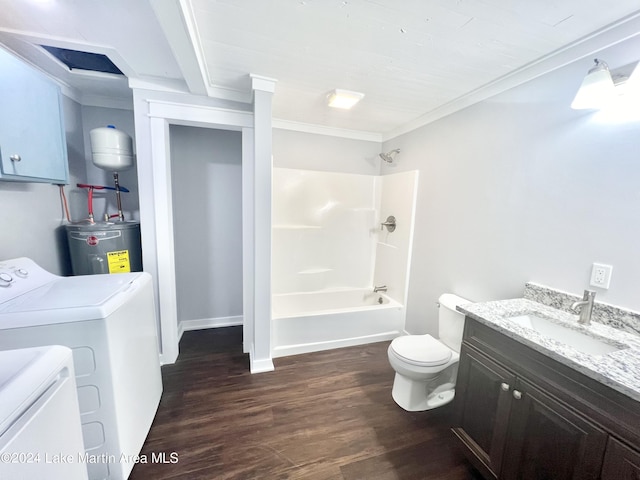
[
  {"x": 344, "y": 99},
  {"x": 597, "y": 88}
]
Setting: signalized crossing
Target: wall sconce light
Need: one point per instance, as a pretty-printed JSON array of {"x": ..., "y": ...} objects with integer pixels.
[
  {"x": 627, "y": 79},
  {"x": 344, "y": 99},
  {"x": 597, "y": 88}
]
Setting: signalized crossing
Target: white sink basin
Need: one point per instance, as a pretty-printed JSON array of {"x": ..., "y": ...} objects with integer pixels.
[{"x": 556, "y": 331}]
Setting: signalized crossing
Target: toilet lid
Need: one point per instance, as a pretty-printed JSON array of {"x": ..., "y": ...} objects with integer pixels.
[{"x": 421, "y": 350}]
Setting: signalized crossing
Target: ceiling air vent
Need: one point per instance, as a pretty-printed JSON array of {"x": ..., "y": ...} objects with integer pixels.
[{"x": 76, "y": 60}]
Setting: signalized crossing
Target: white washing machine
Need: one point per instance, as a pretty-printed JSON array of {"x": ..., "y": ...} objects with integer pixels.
[
  {"x": 109, "y": 322},
  {"x": 40, "y": 432}
]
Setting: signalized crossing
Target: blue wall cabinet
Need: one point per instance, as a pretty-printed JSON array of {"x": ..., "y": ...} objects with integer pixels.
[{"x": 33, "y": 146}]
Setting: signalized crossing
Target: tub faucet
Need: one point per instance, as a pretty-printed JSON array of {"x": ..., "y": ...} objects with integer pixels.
[
  {"x": 585, "y": 306},
  {"x": 381, "y": 288}
]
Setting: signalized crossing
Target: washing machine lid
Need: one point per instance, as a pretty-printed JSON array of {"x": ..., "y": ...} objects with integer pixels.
[
  {"x": 69, "y": 299},
  {"x": 421, "y": 350}
]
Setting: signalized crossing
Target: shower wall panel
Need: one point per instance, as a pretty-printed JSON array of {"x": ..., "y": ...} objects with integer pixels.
[
  {"x": 324, "y": 230},
  {"x": 393, "y": 251}
]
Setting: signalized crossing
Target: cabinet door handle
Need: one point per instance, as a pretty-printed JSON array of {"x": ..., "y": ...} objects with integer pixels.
[
  {"x": 15, "y": 157},
  {"x": 504, "y": 387},
  {"x": 517, "y": 395}
]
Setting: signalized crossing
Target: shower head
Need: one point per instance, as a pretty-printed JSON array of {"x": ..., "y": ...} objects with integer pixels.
[{"x": 388, "y": 157}]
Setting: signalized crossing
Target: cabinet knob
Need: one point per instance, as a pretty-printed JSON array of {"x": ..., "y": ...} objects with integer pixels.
[
  {"x": 517, "y": 395},
  {"x": 15, "y": 157},
  {"x": 504, "y": 387}
]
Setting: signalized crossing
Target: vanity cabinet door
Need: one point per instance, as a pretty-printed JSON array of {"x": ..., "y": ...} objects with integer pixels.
[
  {"x": 620, "y": 462},
  {"x": 547, "y": 440},
  {"x": 482, "y": 405}
]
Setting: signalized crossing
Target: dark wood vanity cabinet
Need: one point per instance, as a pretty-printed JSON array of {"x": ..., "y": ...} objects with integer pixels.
[
  {"x": 517, "y": 431},
  {"x": 620, "y": 462},
  {"x": 521, "y": 415}
]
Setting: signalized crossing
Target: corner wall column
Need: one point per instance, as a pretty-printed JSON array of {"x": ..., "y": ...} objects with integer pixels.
[{"x": 260, "y": 354}]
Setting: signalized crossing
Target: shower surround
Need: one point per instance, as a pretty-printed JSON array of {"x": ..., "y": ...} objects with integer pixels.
[{"x": 329, "y": 251}]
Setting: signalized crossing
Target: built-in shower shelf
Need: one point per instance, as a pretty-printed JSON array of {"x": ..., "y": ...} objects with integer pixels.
[
  {"x": 386, "y": 245},
  {"x": 312, "y": 271},
  {"x": 291, "y": 226}
]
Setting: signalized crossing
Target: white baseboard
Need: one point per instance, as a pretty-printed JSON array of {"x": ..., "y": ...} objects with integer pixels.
[
  {"x": 260, "y": 366},
  {"x": 165, "y": 360},
  {"x": 203, "y": 323}
]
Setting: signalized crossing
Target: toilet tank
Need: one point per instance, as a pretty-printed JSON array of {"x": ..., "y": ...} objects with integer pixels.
[{"x": 450, "y": 321}]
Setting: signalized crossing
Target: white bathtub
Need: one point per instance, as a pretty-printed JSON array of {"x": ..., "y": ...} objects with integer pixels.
[{"x": 309, "y": 322}]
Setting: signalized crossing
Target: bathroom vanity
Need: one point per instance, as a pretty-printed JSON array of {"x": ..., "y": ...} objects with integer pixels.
[{"x": 530, "y": 407}]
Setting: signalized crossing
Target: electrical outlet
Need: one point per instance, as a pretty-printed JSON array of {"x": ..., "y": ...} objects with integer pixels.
[{"x": 601, "y": 275}]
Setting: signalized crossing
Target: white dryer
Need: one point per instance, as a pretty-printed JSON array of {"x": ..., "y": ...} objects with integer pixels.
[
  {"x": 109, "y": 322},
  {"x": 40, "y": 432}
]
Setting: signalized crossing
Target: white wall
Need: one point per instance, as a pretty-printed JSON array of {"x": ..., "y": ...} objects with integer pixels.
[
  {"x": 206, "y": 169},
  {"x": 74, "y": 127},
  {"x": 522, "y": 188},
  {"x": 32, "y": 213},
  {"x": 311, "y": 151}
]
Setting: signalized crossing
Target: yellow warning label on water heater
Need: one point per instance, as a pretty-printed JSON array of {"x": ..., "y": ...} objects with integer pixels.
[{"x": 119, "y": 261}]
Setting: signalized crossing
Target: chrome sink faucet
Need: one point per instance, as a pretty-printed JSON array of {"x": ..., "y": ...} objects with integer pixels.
[
  {"x": 381, "y": 288},
  {"x": 585, "y": 306}
]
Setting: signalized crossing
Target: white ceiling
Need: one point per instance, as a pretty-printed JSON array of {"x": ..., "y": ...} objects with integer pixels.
[{"x": 408, "y": 57}]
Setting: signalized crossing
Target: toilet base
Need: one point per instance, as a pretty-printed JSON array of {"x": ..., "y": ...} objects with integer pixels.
[{"x": 416, "y": 396}]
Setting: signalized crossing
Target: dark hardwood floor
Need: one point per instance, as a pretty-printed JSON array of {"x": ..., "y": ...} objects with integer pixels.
[{"x": 325, "y": 415}]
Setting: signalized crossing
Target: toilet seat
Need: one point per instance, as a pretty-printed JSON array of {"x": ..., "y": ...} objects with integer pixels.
[{"x": 421, "y": 350}]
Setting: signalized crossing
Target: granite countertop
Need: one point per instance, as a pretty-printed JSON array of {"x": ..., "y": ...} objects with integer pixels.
[{"x": 619, "y": 370}]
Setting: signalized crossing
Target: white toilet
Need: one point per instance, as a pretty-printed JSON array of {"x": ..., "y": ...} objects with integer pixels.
[{"x": 426, "y": 368}]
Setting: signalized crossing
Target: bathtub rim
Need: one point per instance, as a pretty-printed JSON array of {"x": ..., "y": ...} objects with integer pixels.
[{"x": 391, "y": 303}]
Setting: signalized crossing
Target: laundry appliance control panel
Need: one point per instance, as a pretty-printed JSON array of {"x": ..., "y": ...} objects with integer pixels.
[{"x": 21, "y": 275}]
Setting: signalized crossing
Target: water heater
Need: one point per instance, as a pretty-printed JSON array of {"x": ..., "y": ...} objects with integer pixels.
[{"x": 104, "y": 247}]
